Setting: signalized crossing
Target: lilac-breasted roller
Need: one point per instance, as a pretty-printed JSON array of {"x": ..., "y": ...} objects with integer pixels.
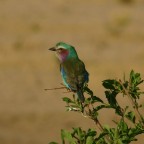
[{"x": 72, "y": 69}]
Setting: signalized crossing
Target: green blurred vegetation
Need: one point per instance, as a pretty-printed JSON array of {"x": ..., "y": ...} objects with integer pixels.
[{"x": 123, "y": 132}]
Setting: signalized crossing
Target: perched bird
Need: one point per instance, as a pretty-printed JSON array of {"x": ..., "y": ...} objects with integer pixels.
[{"x": 72, "y": 69}]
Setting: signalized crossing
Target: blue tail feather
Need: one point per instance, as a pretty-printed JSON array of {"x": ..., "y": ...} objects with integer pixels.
[{"x": 81, "y": 96}]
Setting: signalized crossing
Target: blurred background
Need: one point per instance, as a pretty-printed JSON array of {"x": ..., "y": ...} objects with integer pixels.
[{"x": 108, "y": 36}]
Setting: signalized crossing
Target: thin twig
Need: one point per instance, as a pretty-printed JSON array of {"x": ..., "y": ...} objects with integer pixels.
[
  {"x": 76, "y": 138},
  {"x": 133, "y": 103},
  {"x": 55, "y": 88},
  {"x": 98, "y": 124}
]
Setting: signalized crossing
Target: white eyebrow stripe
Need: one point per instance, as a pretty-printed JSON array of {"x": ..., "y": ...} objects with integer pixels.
[{"x": 60, "y": 47}]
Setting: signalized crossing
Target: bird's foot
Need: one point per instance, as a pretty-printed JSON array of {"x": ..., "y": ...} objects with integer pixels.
[{"x": 68, "y": 90}]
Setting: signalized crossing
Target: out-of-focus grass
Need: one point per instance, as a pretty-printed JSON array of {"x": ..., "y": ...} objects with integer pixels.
[
  {"x": 127, "y": 1},
  {"x": 118, "y": 25}
]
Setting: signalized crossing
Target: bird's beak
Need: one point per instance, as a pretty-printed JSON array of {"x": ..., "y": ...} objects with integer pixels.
[{"x": 52, "y": 49}]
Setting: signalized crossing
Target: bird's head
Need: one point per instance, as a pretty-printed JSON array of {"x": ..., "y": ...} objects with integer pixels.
[{"x": 64, "y": 51}]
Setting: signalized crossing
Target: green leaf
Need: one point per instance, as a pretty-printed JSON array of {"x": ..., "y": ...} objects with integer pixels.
[
  {"x": 67, "y": 100},
  {"x": 101, "y": 136},
  {"x": 119, "y": 142},
  {"x": 68, "y": 136},
  {"x": 92, "y": 100},
  {"x": 90, "y": 136},
  {"x": 112, "y": 85},
  {"x": 118, "y": 110},
  {"x": 135, "y": 78},
  {"x": 111, "y": 97},
  {"x": 79, "y": 133},
  {"x": 123, "y": 125},
  {"x": 131, "y": 116},
  {"x": 108, "y": 84},
  {"x": 107, "y": 128},
  {"x": 91, "y": 132},
  {"x": 87, "y": 90},
  {"x": 96, "y": 99},
  {"x": 90, "y": 140},
  {"x": 101, "y": 107}
]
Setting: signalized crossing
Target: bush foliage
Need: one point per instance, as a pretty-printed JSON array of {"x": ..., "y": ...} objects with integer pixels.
[{"x": 130, "y": 123}]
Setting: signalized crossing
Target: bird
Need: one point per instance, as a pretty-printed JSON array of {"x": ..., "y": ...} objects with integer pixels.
[{"x": 72, "y": 69}]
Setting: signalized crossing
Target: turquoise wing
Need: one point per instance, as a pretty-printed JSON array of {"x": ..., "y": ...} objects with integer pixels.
[{"x": 64, "y": 77}]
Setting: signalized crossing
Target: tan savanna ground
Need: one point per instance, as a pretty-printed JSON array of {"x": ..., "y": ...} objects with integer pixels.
[{"x": 109, "y": 37}]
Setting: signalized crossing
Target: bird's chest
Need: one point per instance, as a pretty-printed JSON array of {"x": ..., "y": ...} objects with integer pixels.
[
  {"x": 69, "y": 70},
  {"x": 72, "y": 74}
]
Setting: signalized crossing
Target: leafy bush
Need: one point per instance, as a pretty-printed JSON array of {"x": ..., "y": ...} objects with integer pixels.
[{"x": 131, "y": 121}]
